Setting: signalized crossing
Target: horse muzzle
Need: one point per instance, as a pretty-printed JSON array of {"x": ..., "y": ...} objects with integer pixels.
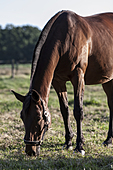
[
  {"x": 32, "y": 147},
  {"x": 32, "y": 150}
]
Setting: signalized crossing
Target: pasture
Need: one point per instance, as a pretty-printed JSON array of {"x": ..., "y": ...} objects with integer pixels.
[{"x": 95, "y": 128}]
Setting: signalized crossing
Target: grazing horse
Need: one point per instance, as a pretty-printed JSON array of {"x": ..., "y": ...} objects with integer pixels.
[{"x": 70, "y": 48}]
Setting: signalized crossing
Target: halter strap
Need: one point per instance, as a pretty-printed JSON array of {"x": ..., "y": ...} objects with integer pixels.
[{"x": 47, "y": 122}]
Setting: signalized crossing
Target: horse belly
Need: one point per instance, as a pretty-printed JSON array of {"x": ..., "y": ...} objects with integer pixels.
[{"x": 99, "y": 71}]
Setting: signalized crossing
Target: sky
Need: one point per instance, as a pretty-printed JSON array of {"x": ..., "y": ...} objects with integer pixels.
[{"x": 38, "y": 12}]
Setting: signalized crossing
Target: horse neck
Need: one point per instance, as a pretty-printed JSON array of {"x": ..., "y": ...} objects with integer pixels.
[{"x": 42, "y": 78}]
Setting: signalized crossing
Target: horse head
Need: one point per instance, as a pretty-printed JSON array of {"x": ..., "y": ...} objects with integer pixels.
[{"x": 36, "y": 120}]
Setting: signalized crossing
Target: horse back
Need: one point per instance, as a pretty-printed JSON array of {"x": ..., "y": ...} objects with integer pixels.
[{"x": 100, "y": 62}]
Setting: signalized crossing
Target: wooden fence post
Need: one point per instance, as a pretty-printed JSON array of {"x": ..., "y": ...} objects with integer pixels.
[
  {"x": 12, "y": 68},
  {"x": 17, "y": 67}
]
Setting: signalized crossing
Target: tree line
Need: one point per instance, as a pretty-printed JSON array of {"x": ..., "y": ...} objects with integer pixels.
[{"x": 17, "y": 43}]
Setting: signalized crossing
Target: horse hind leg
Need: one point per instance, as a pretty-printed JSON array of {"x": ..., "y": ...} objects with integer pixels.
[{"x": 108, "y": 88}]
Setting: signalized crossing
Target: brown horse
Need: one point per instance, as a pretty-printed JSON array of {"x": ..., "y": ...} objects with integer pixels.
[{"x": 70, "y": 48}]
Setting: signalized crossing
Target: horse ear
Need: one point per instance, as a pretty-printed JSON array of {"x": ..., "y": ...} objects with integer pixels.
[
  {"x": 35, "y": 96},
  {"x": 19, "y": 96}
]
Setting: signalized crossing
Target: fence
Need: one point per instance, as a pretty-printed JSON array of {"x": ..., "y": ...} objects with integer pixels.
[{"x": 14, "y": 65}]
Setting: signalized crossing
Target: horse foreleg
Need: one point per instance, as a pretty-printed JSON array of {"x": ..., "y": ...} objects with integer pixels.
[
  {"x": 78, "y": 83},
  {"x": 108, "y": 88},
  {"x": 62, "y": 95}
]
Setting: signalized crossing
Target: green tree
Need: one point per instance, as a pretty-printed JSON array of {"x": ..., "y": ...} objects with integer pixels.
[{"x": 18, "y": 43}]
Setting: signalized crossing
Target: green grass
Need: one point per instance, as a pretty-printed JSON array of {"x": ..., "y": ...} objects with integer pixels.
[{"x": 95, "y": 127}]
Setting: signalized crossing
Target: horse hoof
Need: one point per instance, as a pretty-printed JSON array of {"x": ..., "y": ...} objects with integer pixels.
[
  {"x": 107, "y": 144},
  {"x": 104, "y": 144},
  {"x": 67, "y": 147},
  {"x": 82, "y": 152},
  {"x": 70, "y": 148}
]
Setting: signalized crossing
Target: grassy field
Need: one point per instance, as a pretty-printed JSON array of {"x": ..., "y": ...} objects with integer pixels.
[{"x": 95, "y": 127}]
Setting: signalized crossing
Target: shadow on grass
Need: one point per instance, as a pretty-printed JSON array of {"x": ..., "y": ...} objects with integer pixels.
[
  {"x": 56, "y": 160},
  {"x": 59, "y": 162}
]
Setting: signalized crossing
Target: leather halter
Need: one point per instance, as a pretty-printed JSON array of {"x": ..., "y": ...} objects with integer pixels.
[{"x": 47, "y": 122}]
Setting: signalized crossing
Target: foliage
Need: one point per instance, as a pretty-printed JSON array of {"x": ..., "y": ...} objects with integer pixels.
[
  {"x": 18, "y": 42},
  {"x": 52, "y": 157}
]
